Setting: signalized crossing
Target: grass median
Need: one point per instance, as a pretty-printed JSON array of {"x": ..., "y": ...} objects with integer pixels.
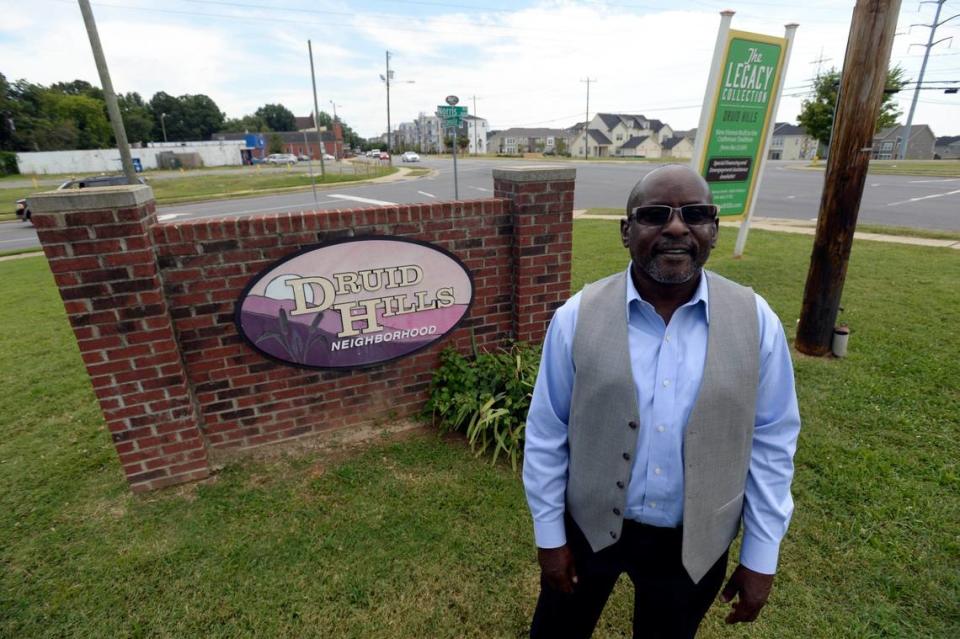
[
  {"x": 417, "y": 537},
  {"x": 194, "y": 188},
  {"x": 933, "y": 168}
]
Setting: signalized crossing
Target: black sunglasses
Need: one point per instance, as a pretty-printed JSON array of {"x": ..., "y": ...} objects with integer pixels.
[{"x": 659, "y": 214}]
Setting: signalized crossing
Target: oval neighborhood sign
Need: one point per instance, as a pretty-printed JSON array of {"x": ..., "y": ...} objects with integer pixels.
[{"x": 355, "y": 302}]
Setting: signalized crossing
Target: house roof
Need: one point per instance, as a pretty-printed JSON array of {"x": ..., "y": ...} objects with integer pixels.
[
  {"x": 599, "y": 137},
  {"x": 656, "y": 125},
  {"x": 609, "y": 120},
  {"x": 634, "y": 142},
  {"x": 520, "y": 132},
  {"x": 897, "y": 131},
  {"x": 785, "y": 128},
  {"x": 673, "y": 141},
  {"x": 947, "y": 140},
  {"x": 304, "y": 122}
]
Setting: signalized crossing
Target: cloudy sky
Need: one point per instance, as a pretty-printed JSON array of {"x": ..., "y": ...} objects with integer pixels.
[{"x": 524, "y": 61}]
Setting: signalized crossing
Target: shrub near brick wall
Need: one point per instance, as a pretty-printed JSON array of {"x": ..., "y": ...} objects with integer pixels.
[{"x": 152, "y": 306}]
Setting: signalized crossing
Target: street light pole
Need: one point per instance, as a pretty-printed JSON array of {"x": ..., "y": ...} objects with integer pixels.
[
  {"x": 163, "y": 125},
  {"x": 113, "y": 109}
]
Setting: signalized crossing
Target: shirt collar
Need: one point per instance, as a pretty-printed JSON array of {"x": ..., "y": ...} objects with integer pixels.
[{"x": 699, "y": 295}]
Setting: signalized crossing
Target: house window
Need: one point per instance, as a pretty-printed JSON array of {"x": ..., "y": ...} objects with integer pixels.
[
  {"x": 511, "y": 141},
  {"x": 777, "y": 143},
  {"x": 886, "y": 146},
  {"x": 550, "y": 142}
]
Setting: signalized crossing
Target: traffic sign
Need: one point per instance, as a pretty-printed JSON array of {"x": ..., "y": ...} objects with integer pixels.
[
  {"x": 451, "y": 115},
  {"x": 452, "y": 100}
]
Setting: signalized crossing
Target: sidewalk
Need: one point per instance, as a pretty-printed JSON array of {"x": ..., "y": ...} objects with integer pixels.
[{"x": 803, "y": 228}]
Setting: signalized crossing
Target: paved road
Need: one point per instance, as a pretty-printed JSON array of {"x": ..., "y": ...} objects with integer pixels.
[{"x": 788, "y": 191}]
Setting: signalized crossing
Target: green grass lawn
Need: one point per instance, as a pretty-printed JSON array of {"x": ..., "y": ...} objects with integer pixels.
[
  {"x": 936, "y": 168},
  {"x": 193, "y": 188},
  {"x": 417, "y": 538}
]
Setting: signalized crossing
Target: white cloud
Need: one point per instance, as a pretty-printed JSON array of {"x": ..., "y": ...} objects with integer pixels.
[{"x": 525, "y": 65}]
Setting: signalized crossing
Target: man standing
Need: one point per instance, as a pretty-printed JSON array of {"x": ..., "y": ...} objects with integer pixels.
[{"x": 664, "y": 413}]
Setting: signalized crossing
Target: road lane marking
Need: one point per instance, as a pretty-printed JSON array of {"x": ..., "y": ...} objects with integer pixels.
[
  {"x": 875, "y": 184},
  {"x": 790, "y": 197},
  {"x": 928, "y": 181},
  {"x": 427, "y": 194},
  {"x": 925, "y": 197},
  {"x": 272, "y": 209},
  {"x": 480, "y": 188},
  {"x": 365, "y": 200},
  {"x": 169, "y": 216}
]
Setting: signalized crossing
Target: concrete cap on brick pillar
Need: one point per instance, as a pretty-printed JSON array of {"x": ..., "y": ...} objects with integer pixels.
[
  {"x": 535, "y": 174},
  {"x": 92, "y": 199}
]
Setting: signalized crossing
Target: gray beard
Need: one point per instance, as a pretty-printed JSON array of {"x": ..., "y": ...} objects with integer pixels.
[{"x": 652, "y": 268}]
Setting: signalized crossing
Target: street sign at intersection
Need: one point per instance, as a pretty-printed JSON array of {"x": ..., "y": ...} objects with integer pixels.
[{"x": 451, "y": 115}]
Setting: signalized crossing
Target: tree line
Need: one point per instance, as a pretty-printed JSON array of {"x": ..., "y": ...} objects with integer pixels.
[{"x": 73, "y": 115}]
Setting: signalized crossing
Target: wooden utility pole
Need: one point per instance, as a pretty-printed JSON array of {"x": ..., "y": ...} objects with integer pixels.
[{"x": 861, "y": 94}]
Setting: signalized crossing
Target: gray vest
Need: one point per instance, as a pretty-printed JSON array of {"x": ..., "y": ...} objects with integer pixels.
[{"x": 605, "y": 420}]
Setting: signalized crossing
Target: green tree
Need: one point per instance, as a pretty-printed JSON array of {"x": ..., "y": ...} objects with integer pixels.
[
  {"x": 138, "y": 119},
  {"x": 86, "y": 114},
  {"x": 189, "y": 117},
  {"x": 246, "y": 124},
  {"x": 275, "y": 144},
  {"x": 817, "y": 114},
  {"x": 277, "y": 117}
]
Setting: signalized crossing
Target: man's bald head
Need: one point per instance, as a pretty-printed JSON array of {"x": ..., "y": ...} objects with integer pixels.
[{"x": 664, "y": 179}]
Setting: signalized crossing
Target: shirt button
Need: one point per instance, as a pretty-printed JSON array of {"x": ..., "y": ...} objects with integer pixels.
[
  {"x": 660, "y": 428},
  {"x": 666, "y": 382},
  {"x": 667, "y": 338},
  {"x": 632, "y": 425},
  {"x": 626, "y": 456},
  {"x": 657, "y": 470},
  {"x": 653, "y": 504},
  {"x": 620, "y": 485},
  {"x": 616, "y": 511}
]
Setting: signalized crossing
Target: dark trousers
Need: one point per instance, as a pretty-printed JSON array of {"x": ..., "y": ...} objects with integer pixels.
[{"x": 666, "y": 602}]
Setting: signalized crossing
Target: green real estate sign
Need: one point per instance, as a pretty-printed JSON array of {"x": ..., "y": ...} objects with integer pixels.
[{"x": 742, "y": 111}]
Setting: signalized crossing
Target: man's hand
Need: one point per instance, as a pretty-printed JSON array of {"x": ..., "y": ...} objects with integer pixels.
[
  {"x": 753, "y": 589},
  {"x": 557, "y": 568}
]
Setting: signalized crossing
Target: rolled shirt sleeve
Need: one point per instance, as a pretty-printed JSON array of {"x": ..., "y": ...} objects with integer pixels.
[
  {"x": 546, "y": 452},
  {"x": 768, "y": 504}
]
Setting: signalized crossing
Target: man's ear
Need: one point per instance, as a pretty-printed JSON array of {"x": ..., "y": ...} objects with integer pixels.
[
  {"x": 625, "y": 233},
  {"x": 716, "y": 234}
]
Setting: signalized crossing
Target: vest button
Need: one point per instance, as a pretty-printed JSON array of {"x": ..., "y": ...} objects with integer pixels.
[
  {"x": 633, "y": 425},
  {"x": 616, "y": 511},
  {"x": 620, "y": 484},
  {"x": 613, "y": 534},
  {"x": 626, "y": 456}
]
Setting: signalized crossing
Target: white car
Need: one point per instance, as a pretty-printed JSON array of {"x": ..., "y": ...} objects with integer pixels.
[
  {"x": 410, "y": 156},
  {"x": 328, "y": 158},
  {"x": 281, "y": 158}
]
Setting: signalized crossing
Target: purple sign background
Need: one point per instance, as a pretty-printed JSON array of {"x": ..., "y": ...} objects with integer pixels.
[{"x": 354, "y": 303}]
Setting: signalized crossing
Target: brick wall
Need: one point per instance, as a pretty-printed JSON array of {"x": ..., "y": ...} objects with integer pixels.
[{"x": 152, "y": 308}]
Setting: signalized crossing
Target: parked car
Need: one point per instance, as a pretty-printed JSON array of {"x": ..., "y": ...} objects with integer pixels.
[
  {"x": 303, "y": 157},
  {"x": 281, "y": 158},
  {"x": 410, "y": 156},
  {"x": 23, "y": 206},
  {"x": 328, "y": 158}
]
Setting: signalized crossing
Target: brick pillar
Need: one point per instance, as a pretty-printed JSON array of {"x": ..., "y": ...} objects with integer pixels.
[
  {"x": 542, "y": 209},
  {"x": 98, "y": 244}
]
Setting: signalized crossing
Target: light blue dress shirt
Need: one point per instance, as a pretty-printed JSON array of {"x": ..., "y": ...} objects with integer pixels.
[{"x": 667, "y": 363}]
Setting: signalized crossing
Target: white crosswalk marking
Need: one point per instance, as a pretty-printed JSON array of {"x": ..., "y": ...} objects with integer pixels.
[{"x": 365, "y": 200}]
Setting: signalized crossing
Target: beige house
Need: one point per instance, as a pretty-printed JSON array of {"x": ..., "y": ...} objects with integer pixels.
[
  {"x": 521, "y": 140},
  {"x": 641, "y": 146},
  {"x": 679, "y": 147},
  {"x": 887, "y": 142},
  {"x": 791, "y": 142},
  {"x": 621, "y": 134}
]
